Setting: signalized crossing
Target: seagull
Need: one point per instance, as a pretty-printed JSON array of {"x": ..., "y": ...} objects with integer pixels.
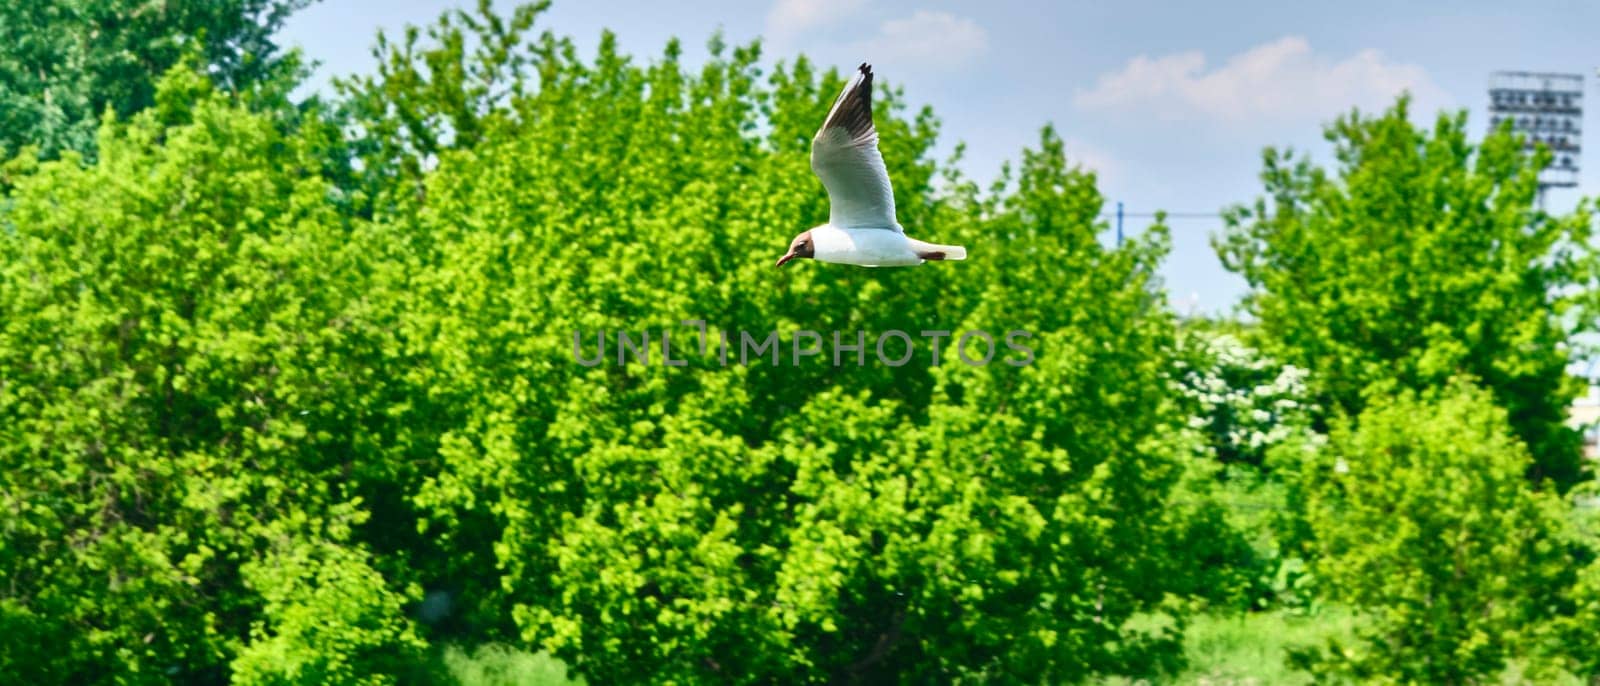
[{"x": 861, "y": 228}]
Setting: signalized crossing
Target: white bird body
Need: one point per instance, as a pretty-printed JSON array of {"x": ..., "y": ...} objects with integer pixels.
[
  {"x": 875, "y": 247},
  {"x": 861, "y": 229}
]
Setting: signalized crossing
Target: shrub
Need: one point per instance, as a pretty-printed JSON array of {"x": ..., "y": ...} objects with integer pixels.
[{"x": 1423, "y": 522}]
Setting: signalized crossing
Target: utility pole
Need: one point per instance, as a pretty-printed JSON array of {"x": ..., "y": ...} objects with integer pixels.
[{"x": 1119, "y": 223}]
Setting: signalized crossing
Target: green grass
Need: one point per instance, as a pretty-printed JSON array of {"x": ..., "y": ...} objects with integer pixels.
[
  {"x": 497, "y": 665},
  {"x": 1249, "y": 650},
  {"x": 1236, "y": 650},
  {"x": 1244, "y": 649},
  {"x": 1222, "y": 649}
]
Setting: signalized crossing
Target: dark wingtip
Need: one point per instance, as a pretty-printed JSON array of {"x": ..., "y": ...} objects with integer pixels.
[{"x": 852, "y": 111}]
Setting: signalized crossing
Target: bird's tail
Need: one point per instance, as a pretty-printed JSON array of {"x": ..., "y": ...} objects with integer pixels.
[{"x": 934, "y": 251}]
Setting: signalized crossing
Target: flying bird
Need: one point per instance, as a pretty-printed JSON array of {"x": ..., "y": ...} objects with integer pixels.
[{"x": 861, "y": 228}]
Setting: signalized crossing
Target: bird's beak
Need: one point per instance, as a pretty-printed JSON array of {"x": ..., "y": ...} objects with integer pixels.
[{"x": 787, "y": 256}]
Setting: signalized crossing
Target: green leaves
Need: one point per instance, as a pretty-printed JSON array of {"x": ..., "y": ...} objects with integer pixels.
[
  {"x": 186, "y": 365},
  {"x": 1420, "y": 258},
  {"x": 1436, "y": 308},
  {"x": 276, "y": 379},
  {"x": 328, "y": 617},
  {"x": 1469, "y": 555},
  {"x": 65, "y": 64},
  {"x": 259, "y": 396},
  {"x": 794, "y": 523}
]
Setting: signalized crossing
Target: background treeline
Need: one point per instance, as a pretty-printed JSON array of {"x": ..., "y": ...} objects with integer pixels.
[{"x": 287, "y": 391}]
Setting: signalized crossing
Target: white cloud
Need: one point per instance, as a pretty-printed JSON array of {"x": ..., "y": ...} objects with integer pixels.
[
  {"x": 924, "y": 38},
  {"x": 928, "y": 38},
  {"x": 1282, "y": 79},
  {"x": 789, "y": 18}
]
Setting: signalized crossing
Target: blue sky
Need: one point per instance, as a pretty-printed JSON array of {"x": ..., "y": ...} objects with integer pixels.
[{"x": 1171, "y": 103}]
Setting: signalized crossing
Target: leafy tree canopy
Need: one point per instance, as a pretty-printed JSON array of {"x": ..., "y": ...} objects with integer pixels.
[
  {"x": 64, "y": 63},
  {"x": 246, "y": 427},
  {"x": 1420, "y": 257},
  {"x": 1469, "y": 553}
]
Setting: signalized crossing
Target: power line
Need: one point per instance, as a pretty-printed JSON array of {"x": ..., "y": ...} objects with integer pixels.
[{"x": 1169, "y": 215}]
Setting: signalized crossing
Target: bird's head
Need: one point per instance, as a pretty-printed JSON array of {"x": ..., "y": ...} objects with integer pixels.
[{"x": 801, "y": 246}]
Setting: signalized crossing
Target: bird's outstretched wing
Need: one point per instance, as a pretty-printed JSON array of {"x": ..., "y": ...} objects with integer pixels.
[{"x": 844, "y": 154}]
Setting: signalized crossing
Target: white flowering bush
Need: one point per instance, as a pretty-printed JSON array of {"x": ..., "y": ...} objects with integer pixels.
[
  {"x": 1242, "y": 401},
  {"x": 1248, "y": 418}
]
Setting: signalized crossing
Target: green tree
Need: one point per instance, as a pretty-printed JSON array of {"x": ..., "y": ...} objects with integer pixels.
[
  {"x": 1423, "y": 521},
  {"x": 186, "y": 410},
  {"x": 756, "y": 524},
  {"x": 264, "y": 387},
  {"x": 328, "y": 617},
  {"x": 64, "y": 63},
  {"x": 1573, "y": 638},
  {"x": 1421, "y": 257}
]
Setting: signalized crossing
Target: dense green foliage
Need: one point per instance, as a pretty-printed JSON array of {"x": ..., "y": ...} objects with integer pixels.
[
  {"x": 246, "y": 398},
  {"x": 64, "y": 63},
  {"x": 781, "y": 523},
  {"x": 185, "y": 404},
  {"x": 1421, "y": 266},
  {"x": 289, "y": 391},
  {"x": 1420, "y": 258},
  {"x": 1454, "y": 585}
]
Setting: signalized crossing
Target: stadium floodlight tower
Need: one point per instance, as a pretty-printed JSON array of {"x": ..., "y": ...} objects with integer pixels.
[{"x": 1545, "y": 109}]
